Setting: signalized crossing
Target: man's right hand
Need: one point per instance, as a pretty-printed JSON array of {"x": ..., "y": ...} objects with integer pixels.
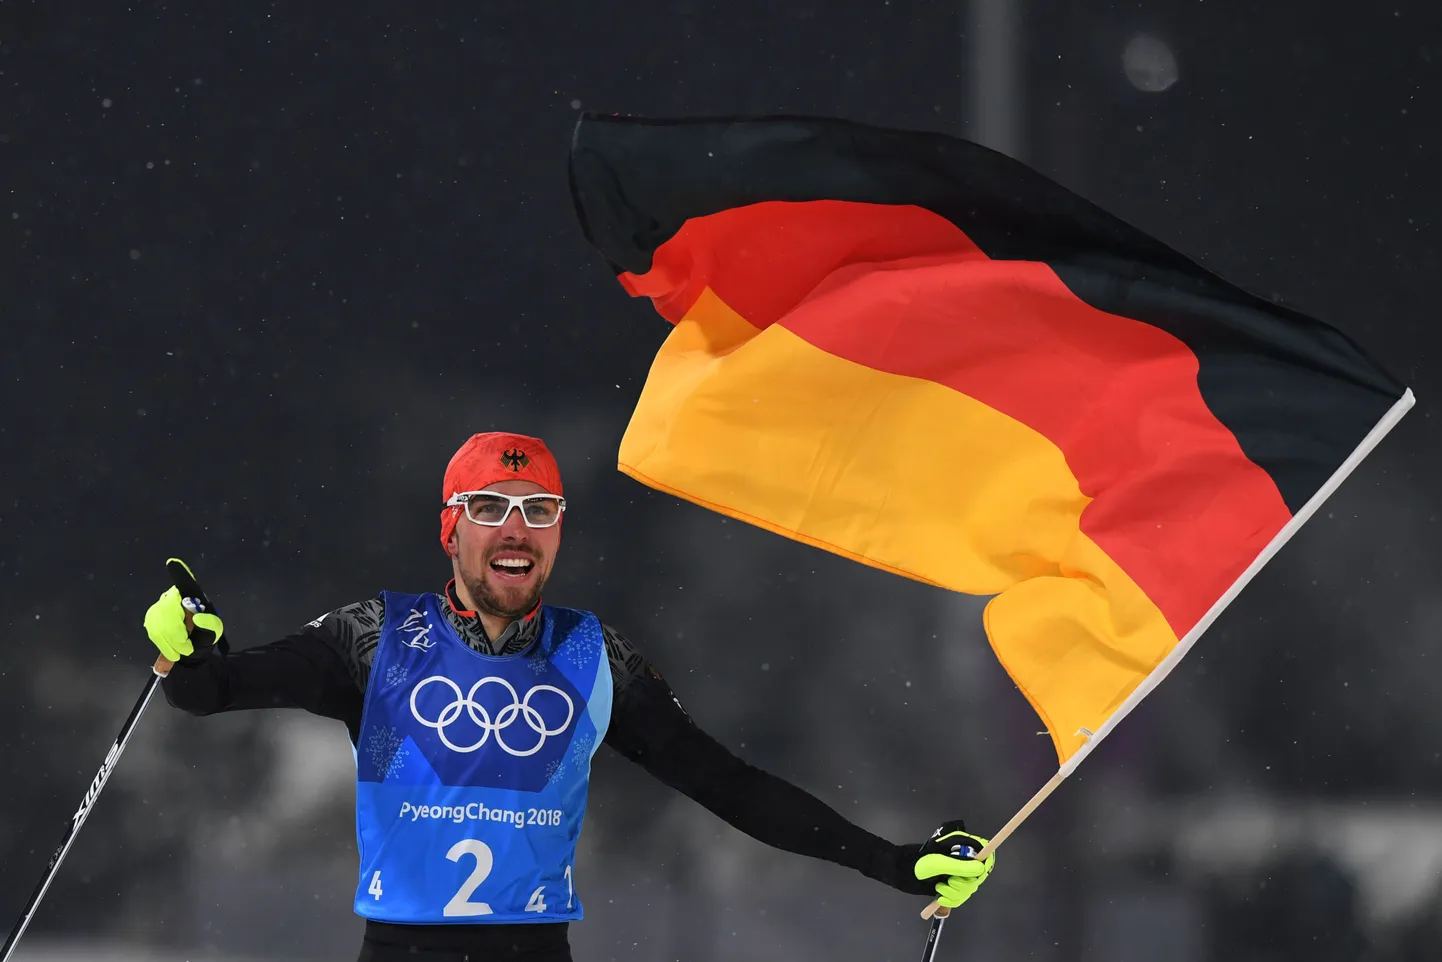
[{"x": 176, "y": 631}]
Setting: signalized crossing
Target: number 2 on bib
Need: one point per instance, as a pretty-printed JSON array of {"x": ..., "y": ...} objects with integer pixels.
[{"x": 460, "y": 905}]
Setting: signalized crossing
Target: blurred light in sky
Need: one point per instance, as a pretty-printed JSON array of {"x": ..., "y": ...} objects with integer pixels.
[{"x": 1149, "y": 63}]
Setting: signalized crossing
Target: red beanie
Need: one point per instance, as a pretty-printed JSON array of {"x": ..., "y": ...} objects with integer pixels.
[{"x": 495, "y": 456}]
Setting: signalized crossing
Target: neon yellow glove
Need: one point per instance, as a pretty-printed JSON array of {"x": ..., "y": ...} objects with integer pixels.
[
  {"x": 165, "y": 625},
  {"x": 945, "y": 861}
]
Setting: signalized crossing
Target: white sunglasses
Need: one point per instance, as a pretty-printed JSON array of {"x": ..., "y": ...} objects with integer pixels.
[{"x": 492, "y": 508}]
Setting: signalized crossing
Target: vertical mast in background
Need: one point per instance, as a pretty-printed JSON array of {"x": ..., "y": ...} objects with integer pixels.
[{"x": 995, "y": 114}]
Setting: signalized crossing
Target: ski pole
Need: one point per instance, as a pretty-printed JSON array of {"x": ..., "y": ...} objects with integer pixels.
[
  {"x": 78, "y": 819},
  {"x": 938, "y": 917},
  {"x": 934, "y": 935},
  {"x": 194, "y": 601}
]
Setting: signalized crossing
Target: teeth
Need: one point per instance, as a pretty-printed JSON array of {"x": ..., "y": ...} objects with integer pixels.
[{"x": 512, "y": 563}]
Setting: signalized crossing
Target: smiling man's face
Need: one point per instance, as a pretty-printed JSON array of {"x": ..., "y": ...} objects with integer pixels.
[{"x": 504, "y": 568}]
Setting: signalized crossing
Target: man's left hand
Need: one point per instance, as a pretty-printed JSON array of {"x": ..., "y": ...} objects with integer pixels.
[{"x": 945, "y": 864}]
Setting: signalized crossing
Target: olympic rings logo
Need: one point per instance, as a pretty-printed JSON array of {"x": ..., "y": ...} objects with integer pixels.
[{"x": 519, "y": 707}]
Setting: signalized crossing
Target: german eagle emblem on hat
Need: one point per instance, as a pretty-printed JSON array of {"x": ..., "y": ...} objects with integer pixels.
[{"x": 515, "y": 459}]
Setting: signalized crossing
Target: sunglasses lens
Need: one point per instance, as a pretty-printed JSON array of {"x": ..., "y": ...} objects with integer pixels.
[
  {"x": 542, "y": 512},
  {"x": 487, "y": 509}
]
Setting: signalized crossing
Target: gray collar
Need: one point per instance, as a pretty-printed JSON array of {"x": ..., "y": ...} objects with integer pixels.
[{"x": 517, "y": 636}]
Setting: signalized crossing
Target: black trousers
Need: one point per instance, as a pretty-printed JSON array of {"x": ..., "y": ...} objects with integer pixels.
[{"x": 535, "y": 942}]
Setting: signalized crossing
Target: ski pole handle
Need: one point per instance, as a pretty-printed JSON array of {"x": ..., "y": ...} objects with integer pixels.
[
  {"x": 192, "y": 598},
  {"x": 163, "y": 664},
  {"x": 941, "y": 911}
]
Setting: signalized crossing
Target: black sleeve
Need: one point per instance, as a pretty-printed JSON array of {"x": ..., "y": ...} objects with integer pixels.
[
  {"x": 322, "y": 668},
  {"x": 649, "y": 726}
]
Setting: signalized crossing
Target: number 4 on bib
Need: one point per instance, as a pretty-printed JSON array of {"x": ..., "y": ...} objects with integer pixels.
[
  {"x": 537, "y": 904},
  {"x": 375, "y": 888}
]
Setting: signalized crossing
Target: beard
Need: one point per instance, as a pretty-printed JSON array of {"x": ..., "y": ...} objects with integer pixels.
[{"x": 504, "y": 601}]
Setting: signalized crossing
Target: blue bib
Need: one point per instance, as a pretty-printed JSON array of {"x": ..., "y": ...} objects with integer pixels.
[{"x": 472, "y": 770}]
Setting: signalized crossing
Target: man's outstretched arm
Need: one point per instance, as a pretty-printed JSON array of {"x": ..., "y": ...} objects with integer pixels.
[
  {"x": 322, "y": 669},
  {"x": 649, "y": 726}
]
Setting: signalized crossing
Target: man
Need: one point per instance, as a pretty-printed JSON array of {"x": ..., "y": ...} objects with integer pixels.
[{"x": 475, "y": 713}]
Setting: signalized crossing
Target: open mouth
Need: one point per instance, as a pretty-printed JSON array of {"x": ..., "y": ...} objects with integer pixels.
[{"x": 513, "y": 568}]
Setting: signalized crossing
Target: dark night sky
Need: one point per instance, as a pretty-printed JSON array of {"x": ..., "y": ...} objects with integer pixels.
[
  {"x": 265, "y": 266},
  {"x": 251, "y": 234}
]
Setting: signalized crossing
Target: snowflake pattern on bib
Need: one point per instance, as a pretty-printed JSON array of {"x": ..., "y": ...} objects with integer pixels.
[
  {"x": 573, "y": 654},
  {"x": 384, "y": 748},
  {"x": 581, "y": 753}
]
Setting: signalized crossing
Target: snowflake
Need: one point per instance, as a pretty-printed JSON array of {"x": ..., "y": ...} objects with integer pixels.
[
  {"x": 581, "y": 752},
  {"x": 574, "y": 653},
  {"x": 552, "y": 768},
  {"x": 538, "y": 663},
  {"x": 384, "y": 748},
  {"x": 396, "y": 675}
]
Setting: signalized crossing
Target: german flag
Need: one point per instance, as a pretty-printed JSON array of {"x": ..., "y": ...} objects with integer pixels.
[{"x": 920, "y": 354}]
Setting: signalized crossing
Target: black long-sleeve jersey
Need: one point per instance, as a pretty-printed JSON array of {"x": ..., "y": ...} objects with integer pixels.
[{"x": 324, "y": 669}]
